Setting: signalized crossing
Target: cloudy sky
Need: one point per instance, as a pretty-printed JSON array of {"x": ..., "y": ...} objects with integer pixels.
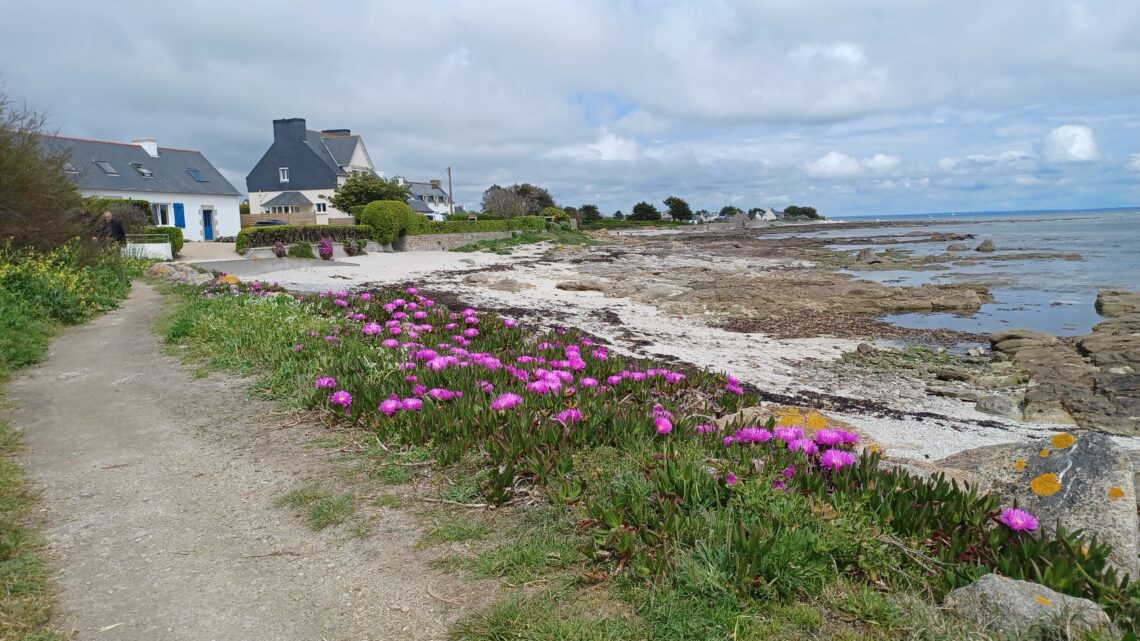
[{"x": 853, "y": 106}]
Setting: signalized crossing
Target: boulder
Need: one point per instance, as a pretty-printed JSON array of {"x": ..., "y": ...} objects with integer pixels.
[
  {"x": 956, "y": 247},
  {"x": 865, "y": 348},
  {"x": 986, "y": 245},
  {"x": 509, "y": 285},
  {"x": 1021, "y": 608},
  {"x": 1112, "y": 303},
  {"x": 999, "y": 405},
  {"x": 578, "y": 286},
  {"x": 869, "y": 257},
  {"x": 1081, "y": 480}
]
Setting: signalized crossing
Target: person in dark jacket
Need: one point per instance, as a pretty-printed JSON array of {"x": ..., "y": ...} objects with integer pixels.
[{"x": 111, "y": 228}]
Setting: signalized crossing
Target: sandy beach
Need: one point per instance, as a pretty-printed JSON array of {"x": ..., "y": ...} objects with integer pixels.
[{"x": 668, "y": 295}]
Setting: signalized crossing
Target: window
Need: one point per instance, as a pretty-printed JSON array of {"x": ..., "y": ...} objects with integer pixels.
[
  {"x": 283, "y": 174},
  {"x": 143, "y": 171},
  {"x": 69, "y": 168},
  {"x": 197, "y": 175},
  {"x": 322, "y": 208},
  {"x": 284, "y": 209},
  {"x": 161, "y": 212},
  {"x": 106, "y": 167}
]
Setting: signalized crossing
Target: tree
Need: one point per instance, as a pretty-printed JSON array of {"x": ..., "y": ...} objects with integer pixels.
[
  {"x": 618, "y": 215},
  {"x": 243, "y": 208},
  {"x": 795, "y": 211},
  {"x": 728, "y": 211},
  {"x": 678, "y": 208},
  {"x": 644, "y": 211},
  {"x": 517, "y": 200},
  {"x": 40, "y": 207},
  {"x": 362, "y": 188},
  {"x": 755, "y": 212},
  {"x": 589, "y": 212}
]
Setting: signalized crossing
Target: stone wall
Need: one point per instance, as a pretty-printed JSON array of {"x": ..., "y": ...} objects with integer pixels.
[{"x": 445, "y": 242}]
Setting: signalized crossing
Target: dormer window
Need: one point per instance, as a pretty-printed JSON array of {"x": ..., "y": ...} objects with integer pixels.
[
  {"x": 69, "y": 168},
  {"x": 106, "y": 167},
  {"x": 143, "y": 171},
  {"x": 283, "y": 174},
  {"x": 198, "y": 175}
]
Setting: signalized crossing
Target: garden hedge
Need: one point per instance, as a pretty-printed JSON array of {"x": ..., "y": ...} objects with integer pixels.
[
  {"x": 629, "y": 224},
  {"x": 520, "y": 223},
  {"x": 390, "y": 219},
  {"x": 174, "y": 233},
  {"x": 289, "y": 234}
]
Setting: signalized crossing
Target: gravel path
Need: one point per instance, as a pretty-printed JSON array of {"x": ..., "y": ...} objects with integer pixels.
[{"x": 159, "y": 492}]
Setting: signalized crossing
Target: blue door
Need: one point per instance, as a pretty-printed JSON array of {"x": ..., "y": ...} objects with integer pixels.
[
  {"x": 207, "y": 224},
  {"x": 179, "y": 216}
]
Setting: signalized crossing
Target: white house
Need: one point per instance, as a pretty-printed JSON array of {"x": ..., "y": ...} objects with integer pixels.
[
  {"x": 183, "y": 188},
  {"x": 769, "y": 214},
  {"x": 302, "y": 169},
  {"x": 429, "y": 198}
]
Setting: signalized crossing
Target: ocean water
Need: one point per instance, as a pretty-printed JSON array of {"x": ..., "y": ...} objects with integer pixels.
[{"x": 1053, "y": 296}]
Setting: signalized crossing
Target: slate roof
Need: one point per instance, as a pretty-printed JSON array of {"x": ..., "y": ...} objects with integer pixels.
[
  {"x": 315, "y": 141},
  {"x": 169, "y": 171},
  {"x": 341, "y": 147},
  {"x": 417, "y": 189},
  {"x": 419, "y": 206},
  {"x": 288, "y": 198}
]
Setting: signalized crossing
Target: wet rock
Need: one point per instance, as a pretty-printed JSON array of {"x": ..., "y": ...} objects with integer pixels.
[
  {"x": 986, "y": 245},
  {"x": 950, "y": 373},
  {"x": 956, "y": 247},
  {"x": 1114, "y": 304},
  {"x": 865, "y": 348},
  {"x": 1019, "y": 608},
  {"x": 999, "y": 405},
  {"x": 1081, "y": 480},
  {"x": 869, "y": 257}
]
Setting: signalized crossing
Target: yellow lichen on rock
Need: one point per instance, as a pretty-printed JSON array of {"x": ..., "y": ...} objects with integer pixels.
[
  {"x": 815, "y": 421},
  {"x": 1044, "y": 453},
  {"x": 1063, "y": 440},
  {"x": 1045, "y": 485},
  {"x": 1115, "y": 493},
  {"x": 1042, "y": 600},
  {"x": 1019, "y": 464}
]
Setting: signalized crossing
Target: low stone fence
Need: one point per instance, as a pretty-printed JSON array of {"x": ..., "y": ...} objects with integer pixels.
[
  {"x": 445, "y": 242},
  {"x": 338, "y": 250}
]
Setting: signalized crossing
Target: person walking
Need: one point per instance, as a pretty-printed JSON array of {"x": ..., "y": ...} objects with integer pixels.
[{"x": 111, "y": 228}]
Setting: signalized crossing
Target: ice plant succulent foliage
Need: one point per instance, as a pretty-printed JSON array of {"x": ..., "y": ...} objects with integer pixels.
[{"x": 534, "y": 405}]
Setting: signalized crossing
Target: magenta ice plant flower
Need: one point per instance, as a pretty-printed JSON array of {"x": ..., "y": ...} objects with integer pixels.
[
  {"x": 1018, "y": 520},
  {"x": 788, "y": 433},
  {"x": 326, "y": 382},
  {"x": 441, "y": 394},
  {"x": 412, "y": 404},
  {"x": 588, "y": 382},
  {"x": 662, "y": 424},
  {"x": 752, "y": 435},
  {"x": 297, "y": 348},
  {"x": 788, "y": 472},
  {"x": 836, "y": 459},
  {"x": 391, "y": 406},
  {"x": 730, "y": 479},
  {"x": 805, "y": 445},
  {"x": 705, "y": 429},
  {"x": 371, "y": 329},
  {"x": 506, "y": 401},
  {"x": 342, "y": 398},
  {"x": 507, "y": 322},
  {"x": 568, "y": 416},
  {"x": 827, "y": 438}
]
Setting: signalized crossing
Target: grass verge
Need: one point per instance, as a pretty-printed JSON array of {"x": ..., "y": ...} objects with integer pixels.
[{"x": 505, "y": 245}]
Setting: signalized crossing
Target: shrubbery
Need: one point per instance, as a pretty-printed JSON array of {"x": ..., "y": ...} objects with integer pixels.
[
  {"x": 518, "y": 223},
  {"x": 289, "y": 234},
  {"x": 610, "y": 223},
  {"x": 66, "y": 284},
  {"x": 301, "y": 249},
  {"x": 390, "y": 219},
  {"x": 174, "y": 233}
]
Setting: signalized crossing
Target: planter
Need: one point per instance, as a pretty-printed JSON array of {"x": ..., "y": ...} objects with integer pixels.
[{"x": 338, "y": 250}]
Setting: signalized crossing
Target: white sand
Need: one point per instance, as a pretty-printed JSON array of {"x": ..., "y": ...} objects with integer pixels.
[{"x": 766, "y": 362}]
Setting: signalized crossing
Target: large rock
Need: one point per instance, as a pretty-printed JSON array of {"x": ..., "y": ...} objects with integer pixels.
[
  {"x": 956, "y": 247},
  {"x": 986, "y": 245},
  {"x": 1020, "y": 608},
  {"x": 1112, "y": 303},
  {"x": 999, "y": 405},
  {"x": 869, "y": 257},
  {"x": 1081, "y": 480},
  {"x": 579, "y": 286}
]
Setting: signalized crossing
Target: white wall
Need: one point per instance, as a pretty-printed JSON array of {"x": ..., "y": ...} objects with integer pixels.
[
  {"x": 257, "y": 198},
  {"x": 227, "y": 217}
]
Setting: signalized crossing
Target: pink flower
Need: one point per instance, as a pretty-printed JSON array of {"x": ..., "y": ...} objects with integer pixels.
[
  {"x": 568, "y": 416},
  {"x": 730, "y": 479},
  {"x": 395, "y": 331},
  {"x": 789, "y": 471},
  {"x": 734, "y": 388},
  {"x": 371, "y": 329},
  {"x": 1018, "y": 520},
  {"x": 588, "y": 382},
  {"x": 340, "y": 301},
  {"x": 366, "y": 297},
  {"x": 506, "y": 401},
  {"x": 412, "y": 404},
  {"x": 835, "y": 459},
  {"x": 470, "y": 332},
  {"x": 752, "y": 435},
  {"x": 705, "y": 429},
  {"x": 390, "y": 406},
  {"x": 779, "y": 485},
  {"x": 341, "y": 397},
  {"x": 659, "y": 411},
  {"x": 849, "y": 438},
  {"x": 804, "y": 445},
  {"x": 827, "y": 438},
  {"x": 411, "y": 290},
  {"x": 441, "y": 394},
  {"x": 788, "y": 433},
  {"x": 325, "y": 383},
  {"x": 662, "y": 424},
  {"x": 600, "y": 354},
  {"x": 390, "y": 343},
  {"x": 509, "y": 323},
  {"x": 297, "y": 348},
  {"x": 614, "y": 380},
  {"x": 419, "y": 390}
]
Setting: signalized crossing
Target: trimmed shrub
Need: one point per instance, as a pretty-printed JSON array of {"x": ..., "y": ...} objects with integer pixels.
[
  {"x": 174, "y": 233},
  {"x": 519, "y": 223},
  {"x": 390, "y": 219},
  {"x": 301, "y": 249},
  {"x": 480, "y": 216},
  {"x": 290, "y": 234}
]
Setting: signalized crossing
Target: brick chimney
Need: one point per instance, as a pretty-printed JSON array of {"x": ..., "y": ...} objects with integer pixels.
[
  {"x": 148, "y": 144},
  {"x": 435, "y": 183},
  {"x": 289, "y": 129}
]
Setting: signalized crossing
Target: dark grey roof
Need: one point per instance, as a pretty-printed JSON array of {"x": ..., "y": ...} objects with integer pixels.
[
  {"x": 341, "y": 147},
  {"x": 315, "y": 141},
  {"x": 419, "y": 206},
  {"x": 288, "y": 198},
  {"x": 425, "y": 189},
  {"x": 170, "y": 171}
]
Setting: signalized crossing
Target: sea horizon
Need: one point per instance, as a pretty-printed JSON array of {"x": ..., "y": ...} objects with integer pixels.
[{"x": 994, "y": 213}]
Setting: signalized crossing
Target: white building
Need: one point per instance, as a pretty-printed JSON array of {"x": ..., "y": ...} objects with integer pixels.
[
  {"x": 302, "y": 169},
  {"x": 183, "y": 188}
]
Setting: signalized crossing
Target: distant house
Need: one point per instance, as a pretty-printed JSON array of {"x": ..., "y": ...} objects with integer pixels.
[
  {"x": 769, "y": 214},
  {"x": 183, "y": 188},
  {"x": 428, "y": 197},
  {"x": 301, "y": 170}
]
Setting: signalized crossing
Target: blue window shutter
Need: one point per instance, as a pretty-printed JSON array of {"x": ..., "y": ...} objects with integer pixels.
[{"x": 179, "y": 216}]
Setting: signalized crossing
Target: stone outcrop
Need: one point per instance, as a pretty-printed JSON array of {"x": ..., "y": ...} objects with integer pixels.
[
  {"x": 1020, "y": 609},
  {"x": 956, "y": 247},
  {"x": 179, "y": 273},
  {"x": 1081, "y": 480},
  {"x": 868, "y": 256},
  {"x": 986, "y": 245}
]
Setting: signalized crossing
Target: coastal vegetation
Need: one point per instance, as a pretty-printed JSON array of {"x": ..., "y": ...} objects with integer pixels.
[{"x": 663, "y": 510}]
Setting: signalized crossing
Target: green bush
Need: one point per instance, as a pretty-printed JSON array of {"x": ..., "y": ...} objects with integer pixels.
[
  {"x": 553, "y": 212},
  {"x": 479, "y": 216},
  {"x": 610, "y": 223},
  {"x": 290, "y": 234},
  {"x": 519, "y": 223},
  {"x": 390, "y": 219},
  {"x": 174, "y": 233},
  {"x": 301, "y": 249}
]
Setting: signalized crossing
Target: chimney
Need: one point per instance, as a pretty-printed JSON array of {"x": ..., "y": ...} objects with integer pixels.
[
  {"x": 148, "y": 144},
  {"x": 289, "y": 129},
  {"x": 337, "y": 132},
  {"x": 435, "y": 184}
]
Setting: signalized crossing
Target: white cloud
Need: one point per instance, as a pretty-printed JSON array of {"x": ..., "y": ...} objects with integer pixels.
[
  {"x": 1070, "y": 143},
  {"x": 839, "y": 165},
  {"x": 1025, "y": 180},
  {"x": 608, "y": 147},
  {"x": 843, "y": 52},
  {"x": 1134, "y": 162},
  {"x": 1011, "y": 159}
]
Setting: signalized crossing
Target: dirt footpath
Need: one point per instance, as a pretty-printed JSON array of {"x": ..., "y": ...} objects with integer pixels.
[{"x": 159, "y": 491}]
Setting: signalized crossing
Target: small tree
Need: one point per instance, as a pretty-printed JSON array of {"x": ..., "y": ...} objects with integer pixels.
[
  {"x": 589, "y": 213},
  {"x": 243, "y": 208},
  {"x": 644, "y": 211},
  {"x": 678, "y": 208},
  {"x": 728, "y": 211},
  {"x": 553, "y": 213},
  {"x": 390, "y": 219},
  {"x": 39, "y": 205},
  {"x": 795, "y": 211},
  {"x": 618, "y": 215},
  {"x": 364, "y": 187},
  {"x": 505, "y": 202}
]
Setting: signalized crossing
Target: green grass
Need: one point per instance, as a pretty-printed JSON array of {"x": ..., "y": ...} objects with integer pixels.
[
  {"x": 332, "y": 510},
  {"x": 505, "y": 245},
  {"x": 303, "y": 496},
  {"x": 454, "y": 527},
  {"x": 24, "y": 334}
]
